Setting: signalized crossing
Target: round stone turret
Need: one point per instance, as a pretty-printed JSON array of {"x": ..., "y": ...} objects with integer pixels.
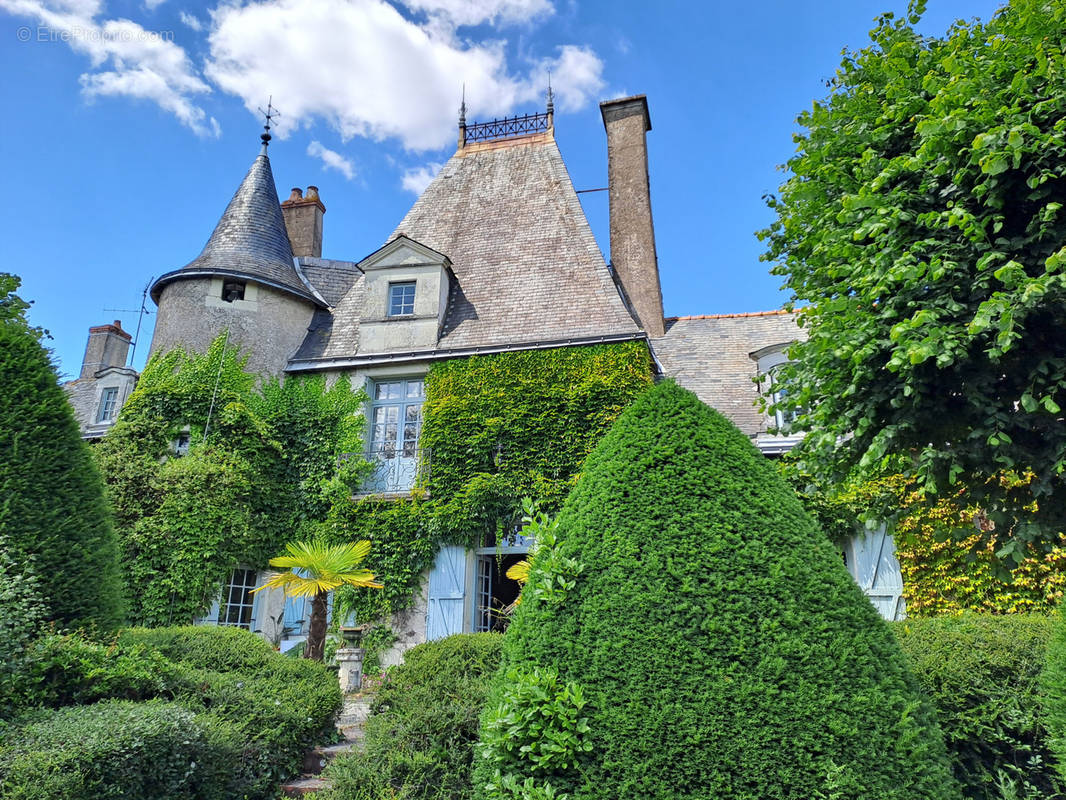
[{"x": 245, "y": 280}]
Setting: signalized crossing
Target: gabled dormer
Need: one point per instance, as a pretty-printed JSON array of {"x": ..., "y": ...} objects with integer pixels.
[{"x": 405, "y": 299}]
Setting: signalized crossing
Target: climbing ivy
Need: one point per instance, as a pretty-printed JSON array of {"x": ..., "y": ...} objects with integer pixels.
[
  {"x": 261, "y": 469},
  {"x": 949, "y": 554},
  {"x": 496, "y": 428}
]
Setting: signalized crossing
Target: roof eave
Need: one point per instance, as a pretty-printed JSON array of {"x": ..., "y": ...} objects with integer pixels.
[
  {"x": 374, "y": 359},
  {"x": 182, "y": 274}
]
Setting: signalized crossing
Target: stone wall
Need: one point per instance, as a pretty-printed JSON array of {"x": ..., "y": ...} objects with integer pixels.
[{"x": 268, "y": 324}]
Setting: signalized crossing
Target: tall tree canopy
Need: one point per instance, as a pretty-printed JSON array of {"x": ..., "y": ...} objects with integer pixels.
[{"x": 922, "y": 233}]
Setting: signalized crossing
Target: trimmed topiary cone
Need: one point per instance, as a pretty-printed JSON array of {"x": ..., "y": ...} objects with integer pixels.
[{"x": 722, "y": 647}]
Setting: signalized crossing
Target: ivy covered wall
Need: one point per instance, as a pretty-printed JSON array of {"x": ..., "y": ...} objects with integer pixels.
[
  {"x": 496, "y": 428},
  {"x": 261, "y": 470},
  {"x": 948, "y": 564}
]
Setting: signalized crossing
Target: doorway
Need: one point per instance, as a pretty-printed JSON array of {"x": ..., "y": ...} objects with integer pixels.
[{"x": 495, "y": 592}]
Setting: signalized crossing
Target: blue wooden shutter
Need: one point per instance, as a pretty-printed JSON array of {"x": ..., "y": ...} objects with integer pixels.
[
  {"x": 447, "y": 589},
  {"x": 295, "y": 614},
  {"x": 872, "y": 562}
]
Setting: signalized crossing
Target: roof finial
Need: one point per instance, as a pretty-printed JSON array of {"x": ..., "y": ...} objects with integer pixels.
[
  {"x": 270, "y": 113},
  {"x": 462, "y": 109},
  {"x": 551, "y": 94}
]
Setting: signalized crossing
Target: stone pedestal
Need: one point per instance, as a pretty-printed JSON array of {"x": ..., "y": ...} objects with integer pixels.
[{"x": 350, "y": 664}]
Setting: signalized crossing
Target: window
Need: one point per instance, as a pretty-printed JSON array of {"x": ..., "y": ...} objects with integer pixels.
[
  {"x": 108, "y": 405},
  {"x": 395, "y": 422},
  {"x": 401, "y": 299},
  {"x": 235, "y": 608},
  {"x": 232, "y": 290},
  {"x": 180, "y": 445},
  {"x": 783, "y": 419}
]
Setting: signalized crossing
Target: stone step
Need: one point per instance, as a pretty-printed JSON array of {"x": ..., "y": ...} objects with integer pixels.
[
  {"x": 307, "y": 784},
  {"x": 316, "y": 758},
  {"x": 350, "y": 724}
]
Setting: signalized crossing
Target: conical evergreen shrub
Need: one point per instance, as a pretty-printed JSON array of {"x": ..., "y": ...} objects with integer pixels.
[
  {"x": 52, "y": 507},
  {"x": 694, "y": 635}
]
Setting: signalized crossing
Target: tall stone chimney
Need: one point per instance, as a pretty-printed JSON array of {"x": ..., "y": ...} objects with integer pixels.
[
  {"x": 108, "y": 346},
  {"x": 303, "y": 221},
  {"x": 632, "y": 232}
]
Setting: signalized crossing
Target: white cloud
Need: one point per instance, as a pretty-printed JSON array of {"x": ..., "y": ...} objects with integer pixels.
[
  {"x": 191, "y": 21},
  {"x": 138, "y": 63},
  {"x": 416, "y": 180},
  {"x": 331, "y": 159},
  {"x": 368, "y": 71},
  {"x": 152, "y": 5},
  {"x": 477, "y": 12}
]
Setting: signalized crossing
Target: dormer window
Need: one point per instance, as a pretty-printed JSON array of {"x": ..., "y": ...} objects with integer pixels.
[
  {"x": 108, "y": 405},
  {"x": 232, "y": 290},
  {"x": 402, "y": 299}
]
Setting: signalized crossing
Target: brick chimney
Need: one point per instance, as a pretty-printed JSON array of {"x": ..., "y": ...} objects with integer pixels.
[
  {"x": 303, "y": 221},
  {"x": 108, "y": 346},
  {"x": 632, "y": 232}
]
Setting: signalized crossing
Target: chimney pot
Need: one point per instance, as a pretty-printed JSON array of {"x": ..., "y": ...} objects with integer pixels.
[
  {"x": 303, "y": 222},
  {"x": 108, "y": 346}
]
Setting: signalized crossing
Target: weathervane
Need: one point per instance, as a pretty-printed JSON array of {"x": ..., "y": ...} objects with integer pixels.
[
  {"x": 270, "y": 113},
  {"x": 462, "y": 109},
  {"x": 551, "y": 95}
]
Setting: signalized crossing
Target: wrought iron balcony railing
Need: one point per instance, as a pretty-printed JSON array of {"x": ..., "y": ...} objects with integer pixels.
[{"x": 395, "y": 468}]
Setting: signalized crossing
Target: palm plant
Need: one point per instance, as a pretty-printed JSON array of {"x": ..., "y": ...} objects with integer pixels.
[{"x": 316, "y": 569}]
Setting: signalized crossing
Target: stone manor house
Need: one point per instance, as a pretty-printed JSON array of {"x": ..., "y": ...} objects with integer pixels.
[{"x": 496, "y": 255}]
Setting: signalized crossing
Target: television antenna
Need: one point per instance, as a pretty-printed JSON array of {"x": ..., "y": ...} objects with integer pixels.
[{"x": 140, "y": 312}]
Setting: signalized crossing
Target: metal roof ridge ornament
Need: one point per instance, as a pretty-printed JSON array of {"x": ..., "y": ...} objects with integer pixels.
[
  {"x": 462, "y": 120},
  {"x": 270, "y": 113},
  {"x": 507, "y": 127}
]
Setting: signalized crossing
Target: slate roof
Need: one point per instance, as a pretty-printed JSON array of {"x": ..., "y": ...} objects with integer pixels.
[
  {"x": 711, "y": 356},
  {"x": 250, "y": 239},
  {"x": 526, "y": 265}
]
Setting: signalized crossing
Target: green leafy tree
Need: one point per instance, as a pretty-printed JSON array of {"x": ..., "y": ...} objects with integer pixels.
[
  {"x": 922, "y": 231},
  {"x": 314, "y": 570},
  {"x": 261, "y": 468},
  {"x": 52, "y": 507},
  {"x": 692, "y": 634}
]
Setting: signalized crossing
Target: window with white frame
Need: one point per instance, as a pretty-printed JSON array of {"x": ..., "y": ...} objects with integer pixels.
[
  {"x": 772, "y": 361},
  {"x": 395, "y": 424},
  {"x": 108, "y": 405},
  {"x": 783, "y": 418},
  {"x": 237, "y": 602},
  {"x": 401, "y": 299}
]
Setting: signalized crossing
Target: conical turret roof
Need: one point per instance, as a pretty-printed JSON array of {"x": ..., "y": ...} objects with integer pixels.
[{"x": 250, "y": 240}]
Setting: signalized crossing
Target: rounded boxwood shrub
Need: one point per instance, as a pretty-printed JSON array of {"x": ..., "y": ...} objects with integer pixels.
[
  {"x": 693, "y": 634},
  {"x": 116, "y": 749},
  {"x": 216, "y": 647},
  {"x": 982, "y": 674},
  {"x": 420, "y": 737},
  {"x": 268, "y": 707}
]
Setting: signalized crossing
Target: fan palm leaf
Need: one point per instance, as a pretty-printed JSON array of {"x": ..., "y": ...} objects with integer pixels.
[{"x": 314, "y": 569}]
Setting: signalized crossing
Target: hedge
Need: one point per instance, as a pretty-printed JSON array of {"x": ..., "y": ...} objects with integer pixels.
[
  {"x": 693, "y": 634},
  {"x": 116, "y": 749},
  {"x": 420, "y": 737},
  {"x": 271, "y": 707},
  {"x": 982, "y": 673}
]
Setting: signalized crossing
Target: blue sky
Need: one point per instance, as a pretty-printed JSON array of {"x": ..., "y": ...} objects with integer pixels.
[{"x": 129, "y": 123}]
